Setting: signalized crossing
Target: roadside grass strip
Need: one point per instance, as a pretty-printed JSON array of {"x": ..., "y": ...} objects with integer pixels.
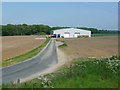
[
  {"x": 63, "y": 45},
  {"x": 25, "y": 56},
  {"x": 82, "y": 73}
]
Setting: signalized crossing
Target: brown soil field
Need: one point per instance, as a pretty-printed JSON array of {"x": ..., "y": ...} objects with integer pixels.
[
  {"x": 16, "y": 45},
  {"x": 95, "y": 47}
]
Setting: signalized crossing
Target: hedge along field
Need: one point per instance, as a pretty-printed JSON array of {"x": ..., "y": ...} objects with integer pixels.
[
  {"x": 82, "y": 73},
  {"x": 96, "y": 35}
]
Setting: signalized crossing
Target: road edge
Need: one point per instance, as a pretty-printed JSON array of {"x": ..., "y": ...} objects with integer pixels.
[{"x": 29, "y": 58}]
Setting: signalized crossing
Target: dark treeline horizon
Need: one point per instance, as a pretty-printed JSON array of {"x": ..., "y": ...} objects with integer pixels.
[{"x": 40, "y": 29}]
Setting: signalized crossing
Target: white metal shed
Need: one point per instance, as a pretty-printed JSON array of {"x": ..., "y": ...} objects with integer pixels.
[{"x": 71, "y": 33}]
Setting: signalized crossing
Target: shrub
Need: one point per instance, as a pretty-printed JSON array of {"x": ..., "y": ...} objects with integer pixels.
[
  {"x": 63, "y": 45},
  {"x": 83, "y": 36},
  {"x": 62, "y": 36}
]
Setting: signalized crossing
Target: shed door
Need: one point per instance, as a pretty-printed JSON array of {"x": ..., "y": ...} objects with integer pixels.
[
  {"x": 76, "y": 34},
  {"x": 66, "y": 35}
]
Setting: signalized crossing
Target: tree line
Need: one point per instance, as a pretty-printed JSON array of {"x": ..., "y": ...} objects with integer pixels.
[
  {"x": 96, "y": 31},
  {"x": 24, "y": 29}
]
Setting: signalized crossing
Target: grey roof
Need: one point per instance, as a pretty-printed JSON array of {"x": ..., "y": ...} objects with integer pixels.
[{"x": 71, "y": 29}]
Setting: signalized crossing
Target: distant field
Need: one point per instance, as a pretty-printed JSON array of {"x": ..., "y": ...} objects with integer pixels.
[
  {"x": 95, "y": 35},
  {"x": 102, "y": 46},
  {"x": 16, "y": 45}
]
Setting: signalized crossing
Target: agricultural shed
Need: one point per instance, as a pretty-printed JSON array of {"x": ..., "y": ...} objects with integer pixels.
[{"x": 71, "y": 33}]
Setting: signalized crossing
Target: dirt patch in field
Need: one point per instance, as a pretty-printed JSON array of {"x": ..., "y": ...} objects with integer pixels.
[
  {"x": 16, "y": 45},
  {"x": 99, "y": 47}
]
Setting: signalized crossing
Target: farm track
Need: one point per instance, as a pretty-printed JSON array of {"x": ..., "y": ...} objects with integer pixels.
[{"x": 76, "y": 48}]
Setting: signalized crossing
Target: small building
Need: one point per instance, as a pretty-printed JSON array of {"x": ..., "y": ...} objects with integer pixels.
[{"x": 71, "y": 33}]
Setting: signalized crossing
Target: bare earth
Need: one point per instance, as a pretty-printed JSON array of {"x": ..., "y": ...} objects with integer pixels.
[
  {"x": 91, "y": 47},
  {"x": 81, "y": 47},
  {"x": 16, "y": 45}
]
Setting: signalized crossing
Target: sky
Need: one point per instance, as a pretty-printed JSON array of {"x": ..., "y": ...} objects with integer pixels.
[
  {"x": 101, "y": 15},
  {"x": 60, "y": 0}
]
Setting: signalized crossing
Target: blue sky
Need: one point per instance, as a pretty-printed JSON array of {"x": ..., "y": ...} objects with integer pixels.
[{"x": 101, "y": 15}]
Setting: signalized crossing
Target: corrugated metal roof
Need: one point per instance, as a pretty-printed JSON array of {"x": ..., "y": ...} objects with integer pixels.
[{"x": 71, "y": 29}]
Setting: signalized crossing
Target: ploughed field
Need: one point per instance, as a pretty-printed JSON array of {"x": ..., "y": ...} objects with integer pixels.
[
  {"x": 16, "y": 45},
  {"x": 104, "y": 46}
]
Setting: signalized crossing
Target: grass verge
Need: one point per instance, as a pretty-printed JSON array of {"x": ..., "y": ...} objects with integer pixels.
[
  {"x": 82, "y": 73},
  {"x": 25, "y": 56},
  {"x": 63, "y": 45}
]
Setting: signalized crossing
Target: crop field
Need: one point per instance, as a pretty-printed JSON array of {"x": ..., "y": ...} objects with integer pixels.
[
  {"x": 95, "y": 47},
  {"x": 16, "y": 45}
]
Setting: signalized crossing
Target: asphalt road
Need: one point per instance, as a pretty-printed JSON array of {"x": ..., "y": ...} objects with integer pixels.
[{"x": 35, "y": 65}]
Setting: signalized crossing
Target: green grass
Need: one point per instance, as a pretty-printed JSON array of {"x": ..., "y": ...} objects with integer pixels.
[
  {"x": 97, "y": 73},
  {"x": 63, "y": 45},
  {"x": 82, "y": 73},
  {"x": 95, "y": 35},
  {"x": 25, "y": 56}
]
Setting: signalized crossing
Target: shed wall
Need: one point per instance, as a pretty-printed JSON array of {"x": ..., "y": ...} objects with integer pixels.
[{"x": 72, "y": 32}]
